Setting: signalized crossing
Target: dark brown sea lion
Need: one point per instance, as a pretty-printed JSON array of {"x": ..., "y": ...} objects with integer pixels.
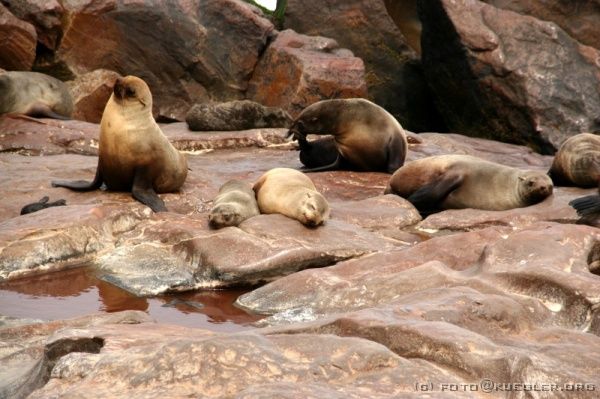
[
  {"x": 577, "y": 162},
  {"x": 235, "y": 115},
  {"x": 235, "y": 203},
  {"x": 588, "y": 208},
  {"x": 34, "y": 94},
  {"x": 291, "y": 193},
  {"x": 367, "y": 137},
  {"x": 134, "y": 154},
  {"x": 41, "y": 204},
  {"x": 462, "y": 181}
]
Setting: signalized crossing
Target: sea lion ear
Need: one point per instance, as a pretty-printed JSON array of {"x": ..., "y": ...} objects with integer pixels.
[{"x": 521, "y": 178}]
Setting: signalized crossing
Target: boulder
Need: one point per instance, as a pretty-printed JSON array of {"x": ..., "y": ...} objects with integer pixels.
[
  {"x": 91, "y": 92},
  {"x": 578, "y": 18},
  {"x": 393, "y": 72},
  {"x": 17, "y": 42},
  {"x": 187, "y": 51},
  {"x": 502, "y": 75},
  {"x": 297, "y": 70},
  {"x": 45, "y": 15}
]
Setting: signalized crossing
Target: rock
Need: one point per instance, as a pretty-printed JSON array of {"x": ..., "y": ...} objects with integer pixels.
[
  {"x": 45, "y": 15},
  {"x": 17, "y": 42},
  {"x": 91, "y": 92},
  {"x": 578, "y": 19},
  {"x": 187, "y": 51},
  {"x": 393, "y": 72},
  {"x": 499, "y": 74},
  {"x": 298, "y": 70}
]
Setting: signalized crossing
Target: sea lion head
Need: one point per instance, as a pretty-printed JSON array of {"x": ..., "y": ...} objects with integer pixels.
[
  {"x": 314, "y": 209},
  {"x": 225, "y": 215},
  {"x": 132, "y": 91},
  {"x": 318, "y": 118},
  {"x": 534, "y": 187}
]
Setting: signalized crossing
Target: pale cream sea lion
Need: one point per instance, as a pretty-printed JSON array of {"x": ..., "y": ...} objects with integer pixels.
[{"x": 235, "y": 203}]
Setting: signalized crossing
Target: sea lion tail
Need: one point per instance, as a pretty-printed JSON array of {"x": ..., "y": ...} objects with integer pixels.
[{"x": 587, "y": 206}]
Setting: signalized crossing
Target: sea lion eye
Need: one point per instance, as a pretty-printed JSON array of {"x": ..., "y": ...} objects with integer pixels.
[{"x": 129, "y": 92}]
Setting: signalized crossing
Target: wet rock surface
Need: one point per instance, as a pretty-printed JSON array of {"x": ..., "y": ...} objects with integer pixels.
[{"x": 369, "y": 305}]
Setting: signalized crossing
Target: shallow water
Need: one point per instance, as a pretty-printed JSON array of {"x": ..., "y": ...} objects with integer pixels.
[{"x": 78, "y": 292}]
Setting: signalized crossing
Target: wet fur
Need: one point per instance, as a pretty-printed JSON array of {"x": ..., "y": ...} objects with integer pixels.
[{"x": 461, "y": 181}]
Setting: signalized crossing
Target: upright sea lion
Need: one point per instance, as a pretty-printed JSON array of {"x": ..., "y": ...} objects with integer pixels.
[
  {"x": 134, "y": 154},
  {"x": 577, "y": 162},
  {"x": 34, "y": 94},
  {"x": 293, "y": 194},
  {"x": 463, "y": 181},
  {"x": 235, "y": 115},
  {"x": 367, "y": 137},
  {"x": 235, "y": 203}
]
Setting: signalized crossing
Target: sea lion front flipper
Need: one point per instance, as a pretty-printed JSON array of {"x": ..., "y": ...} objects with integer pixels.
[
  {"x": 396, "y": 153},
  {"x": 428, "y": 198},
  {"x": 332, "y": 166},
  {"x": 81, "y": 185},
  {"x": 143, "y": 191},
  {"x": 586, "y": 206}
]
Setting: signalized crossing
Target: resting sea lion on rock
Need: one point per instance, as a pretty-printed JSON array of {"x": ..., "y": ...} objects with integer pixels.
[
  {"x": 235, "y": 203},
  {"x": 34, "y": 94},
  {"x": 367, "y": 137},
  {"x": 462, "y": 181},
  {"x": 41, "y": 204},
  {"x": 291, "y": 193},
  {"x": 235, "y": 115},
  {"x": 134, "y": 154},
  {"x": 577, "y": 162}
]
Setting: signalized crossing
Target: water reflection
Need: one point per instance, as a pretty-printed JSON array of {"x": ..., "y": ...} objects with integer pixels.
[{"x": 77, "y": 292}]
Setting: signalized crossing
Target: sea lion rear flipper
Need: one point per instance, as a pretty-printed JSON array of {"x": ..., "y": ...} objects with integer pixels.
[
  {"x": 396, "y": 153},
  {"x": 43, "y": 111},
  {"x": 142, "y": 191},
  {"x": 586, "y": 206},
  {"x": 428, "y": 198},
  {"x": 81, "y": 185}
]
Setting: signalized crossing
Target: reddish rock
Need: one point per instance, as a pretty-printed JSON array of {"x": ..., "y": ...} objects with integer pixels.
[
  {"x": 91, "y": 92},
  {"x": 297, "y": 70},
  {"x": 17, "y": 42},
  {"x": 499, "y": 74},
  {"x": 393, "y": 72},
  {"x": 45, "y": 15},
  {"x": 578, "y": 18},
  {"x": 187, "y": 51}
]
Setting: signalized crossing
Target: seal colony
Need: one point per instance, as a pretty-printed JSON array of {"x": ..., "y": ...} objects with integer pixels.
[
  {"x": 134, "y": 154},
  {"x": 367, "y": 137},
  {"x": 462, "y": 181},
  {"x": 34, "y": 94}
]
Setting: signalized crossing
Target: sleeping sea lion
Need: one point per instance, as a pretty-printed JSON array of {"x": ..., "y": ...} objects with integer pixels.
[
  {"x": 235, "y": 115},
  {"x": 291, "y": 193},
  {"x": 367, "y": 137},
  {"x": 577, "y": 162},
  {"x": 34, "y": 94},
  {"x": 134, "y": 154},
  {"x": 462, "y": 181},
  {"x": 235, "y": 203}
]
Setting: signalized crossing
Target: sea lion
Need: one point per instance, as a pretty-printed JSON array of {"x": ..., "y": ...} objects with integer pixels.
[
  {"x": 235, "y": 115},
  {"x": 34, "y": 94},
  {"x": 462, "y": 181},
  {"x": 134, "y": 154},
  {"x": 367, "y": 137},
  {"x": 577, "y": 162},
  {"x": 588, "y": 208},
  {"x": 235, "y": 203},
  {"x": 320, "y": 152},
  {"x": 293, "y": 194},
  {"x": 41, "y": 204}
]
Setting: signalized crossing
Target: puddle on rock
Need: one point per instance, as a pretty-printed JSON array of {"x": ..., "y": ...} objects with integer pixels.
[{"x": 78, "y": 292}]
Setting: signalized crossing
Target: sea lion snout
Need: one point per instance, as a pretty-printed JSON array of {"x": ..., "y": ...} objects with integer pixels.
[{"x": 119, "y": 89}]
